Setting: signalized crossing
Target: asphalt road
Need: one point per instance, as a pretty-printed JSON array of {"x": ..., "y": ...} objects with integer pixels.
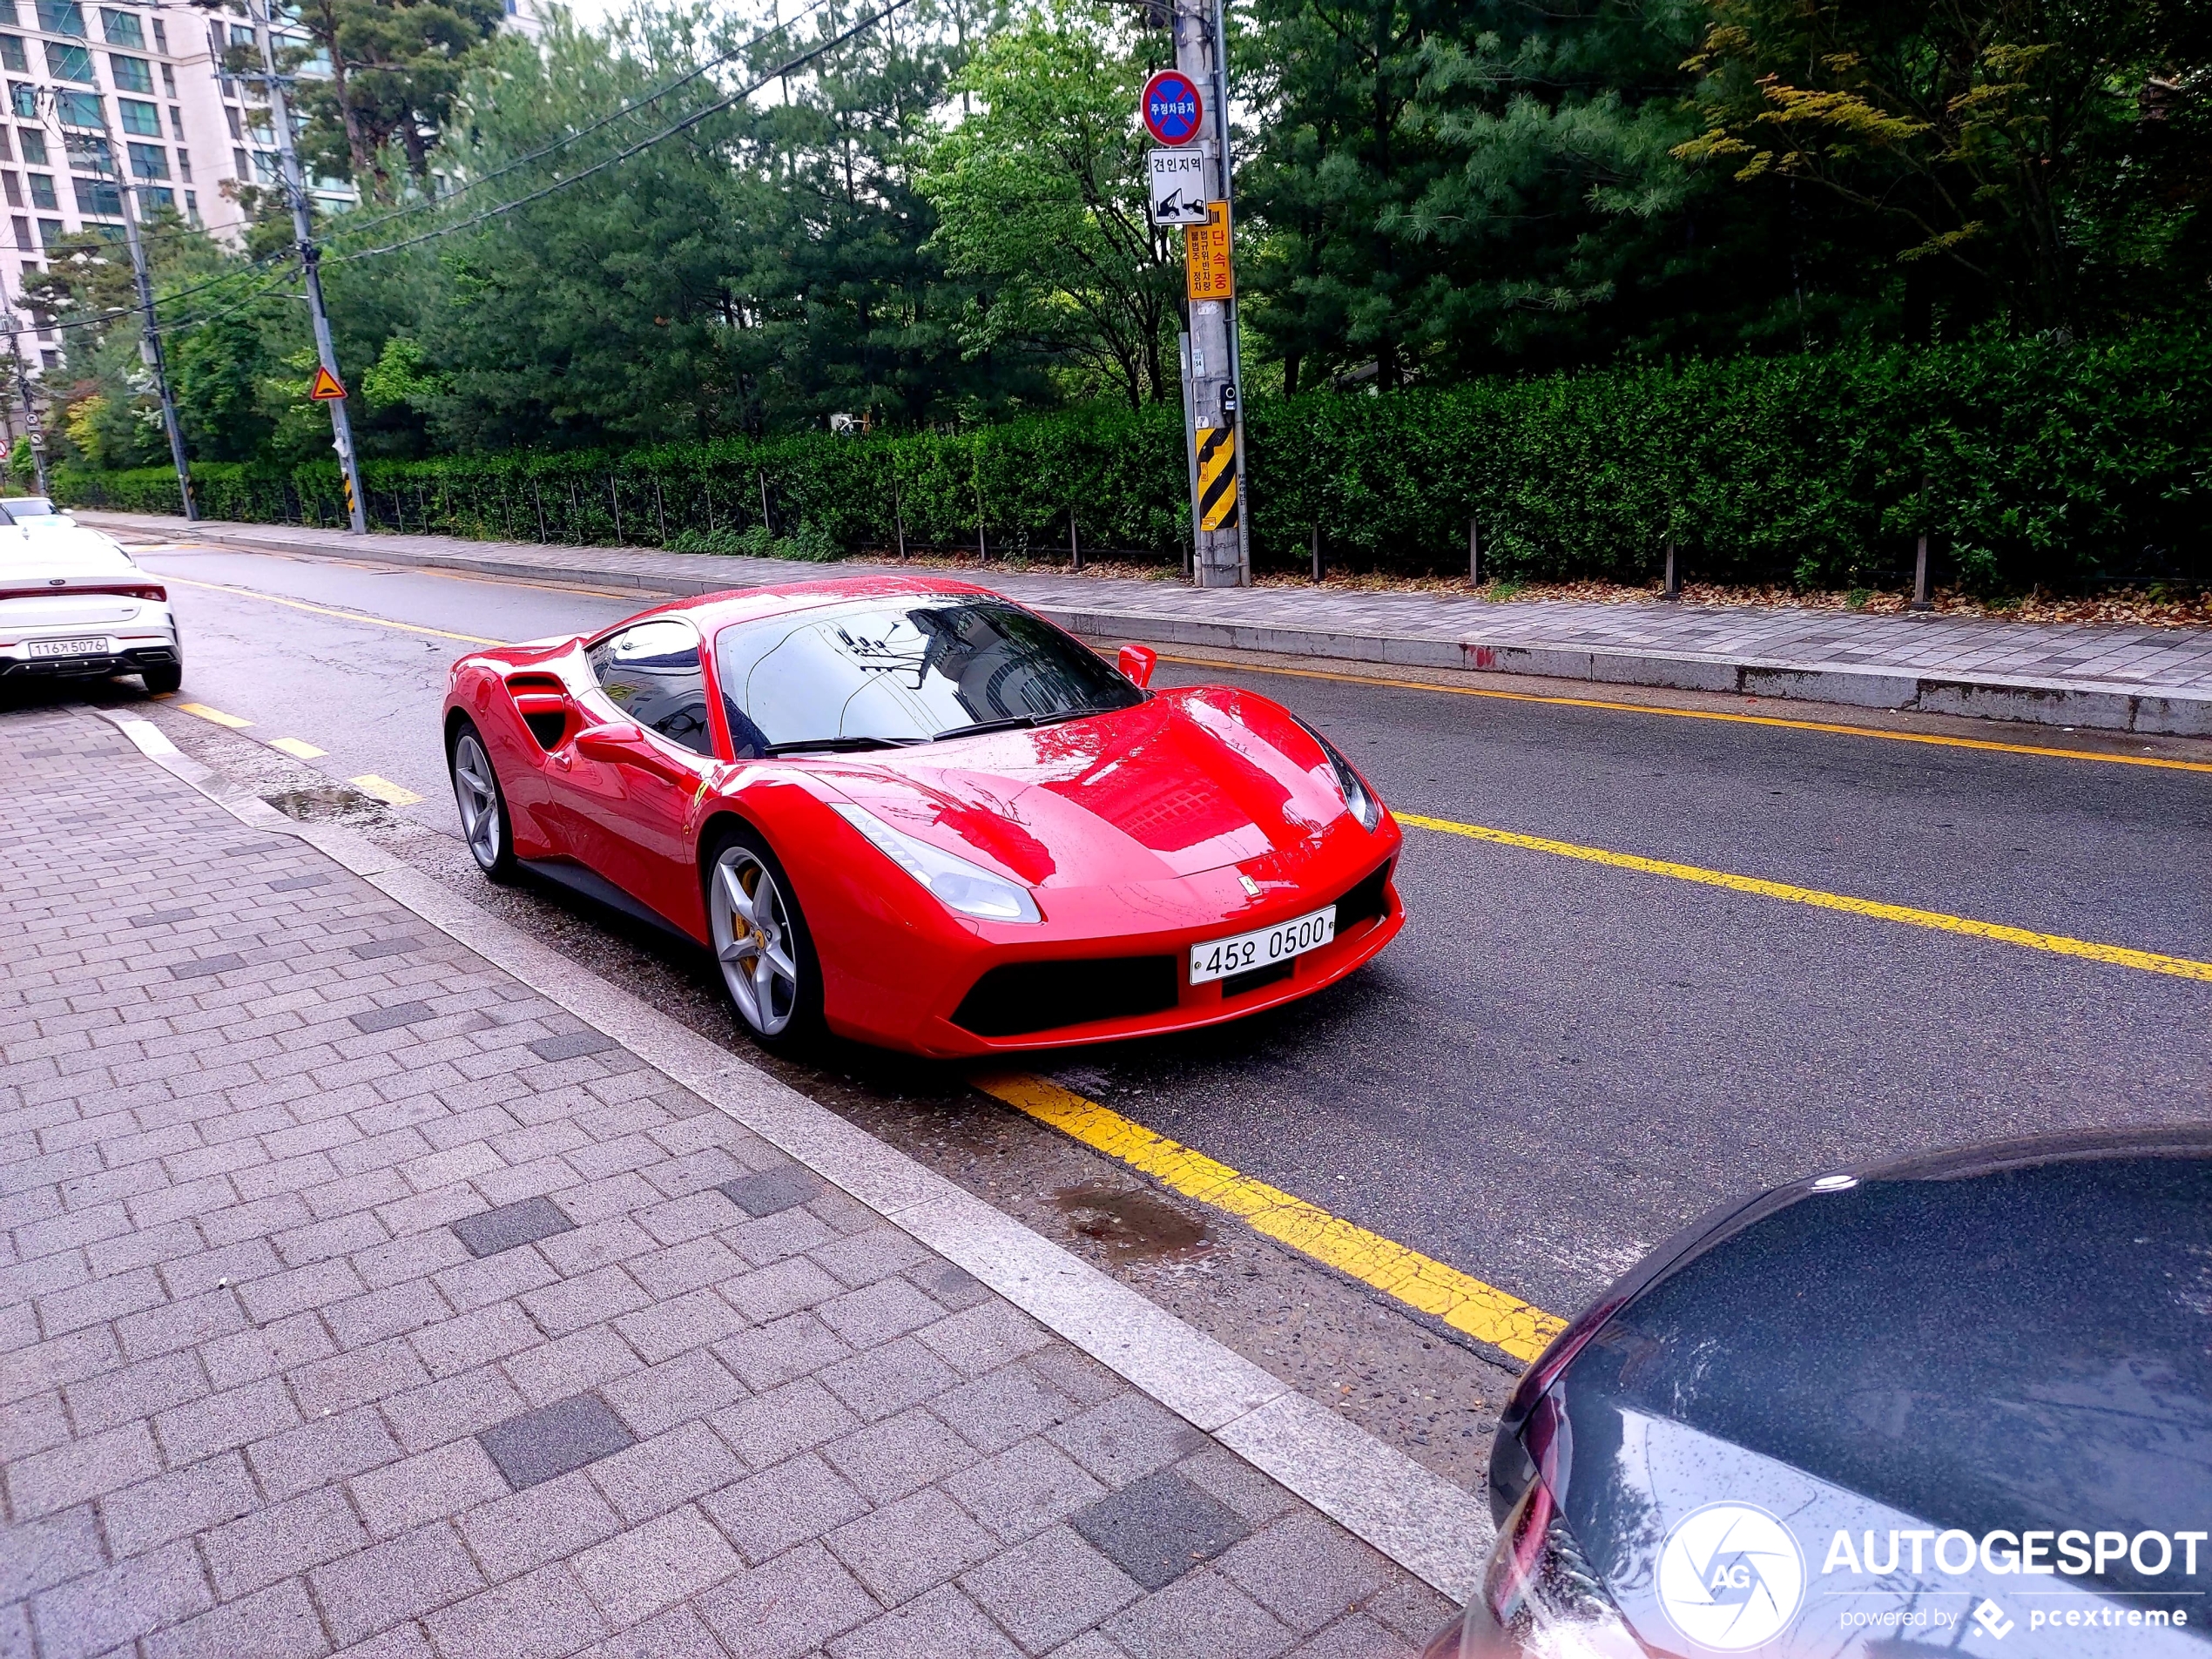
[{"x": 1560, "y": 1062}]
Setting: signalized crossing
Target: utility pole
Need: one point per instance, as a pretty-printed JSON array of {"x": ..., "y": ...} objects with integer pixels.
[
  {"x": 149, "y": 331},
  {"x": 30, "y": 408},
  {"x": 1212, "y": 392},
  {"x": 295, "y": 187}
]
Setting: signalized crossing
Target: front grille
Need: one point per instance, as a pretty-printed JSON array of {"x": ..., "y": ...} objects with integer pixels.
[
  {"x": 1369, "y": 901},
  {"x": 1018, "y": 998},
  {"x": 1252, "y": 978}
]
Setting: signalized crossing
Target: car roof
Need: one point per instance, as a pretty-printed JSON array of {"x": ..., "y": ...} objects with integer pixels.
[{"x": 712, "y": 611}]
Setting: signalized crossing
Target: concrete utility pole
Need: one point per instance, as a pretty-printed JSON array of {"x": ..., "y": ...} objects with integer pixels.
[
  {"x": 30, "y": 408},
  {"x": 149, "y": 331},
  {"x": 295, "y": 188},
  {"x": 1212, "y": 399}
]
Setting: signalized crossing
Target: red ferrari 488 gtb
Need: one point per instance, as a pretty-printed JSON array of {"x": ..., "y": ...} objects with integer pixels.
[{"x": 912, "y": 813}]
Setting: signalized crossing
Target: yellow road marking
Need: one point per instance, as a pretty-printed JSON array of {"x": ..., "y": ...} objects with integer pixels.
[
  {"x": 385, "y": 790},
  {"x": 327, "y": 610},
  {"x": 1834, "y": 726},
  {"x": 216, "y": 715},
  {"x": 2057, "y": 944},
  {"x": 297, "y": 748},
  {"x": 1466, "y": 1304}
]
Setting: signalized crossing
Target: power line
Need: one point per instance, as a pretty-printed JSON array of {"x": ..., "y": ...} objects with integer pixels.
[{"x": 639, "y": 148}]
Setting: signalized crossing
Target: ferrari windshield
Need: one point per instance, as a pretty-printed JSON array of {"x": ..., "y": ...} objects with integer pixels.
[{"x": 875, "y": 672}]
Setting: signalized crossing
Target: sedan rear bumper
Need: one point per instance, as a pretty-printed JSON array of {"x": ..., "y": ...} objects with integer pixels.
[{"x": 124, "y": 656}]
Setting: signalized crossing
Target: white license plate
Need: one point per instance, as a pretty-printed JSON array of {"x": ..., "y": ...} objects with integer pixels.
[
  {"x": 68, "y": 648},
  {"x": 1263, "y": 947}
]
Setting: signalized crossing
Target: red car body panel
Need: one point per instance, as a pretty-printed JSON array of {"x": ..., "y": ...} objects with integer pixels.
[{"x": 1136, "y": 832}]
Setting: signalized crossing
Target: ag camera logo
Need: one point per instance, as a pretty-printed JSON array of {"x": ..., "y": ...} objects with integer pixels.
[{"x": 1731, "y": 1577}]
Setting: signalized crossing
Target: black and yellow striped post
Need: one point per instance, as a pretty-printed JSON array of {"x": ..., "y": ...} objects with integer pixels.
[{"x": 1217, "y": 477}]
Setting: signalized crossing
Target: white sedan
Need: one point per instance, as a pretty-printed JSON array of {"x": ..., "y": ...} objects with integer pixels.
[{"x": 74, "y": 606}]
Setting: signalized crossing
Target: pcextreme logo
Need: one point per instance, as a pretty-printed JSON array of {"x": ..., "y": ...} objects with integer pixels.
[{"x": 1730, "y": 1577}]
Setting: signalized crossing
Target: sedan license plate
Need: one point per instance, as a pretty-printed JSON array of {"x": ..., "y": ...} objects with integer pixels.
[
  {"x": 1263, "y": 947},
  {"x": 68, "y": 648}
]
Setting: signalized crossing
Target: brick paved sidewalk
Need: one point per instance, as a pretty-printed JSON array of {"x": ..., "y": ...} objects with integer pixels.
[
  {"x": 2107, "y": 658},
  {"x": 356, "y": 1298}
]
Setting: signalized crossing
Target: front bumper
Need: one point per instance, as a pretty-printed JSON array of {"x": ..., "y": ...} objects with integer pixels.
[{"x": 938, "y": 1030}]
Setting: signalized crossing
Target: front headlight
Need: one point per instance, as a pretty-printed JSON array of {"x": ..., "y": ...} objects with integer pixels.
[
  {"x": 953, "y": 883},
  {"x": 1363, "y": 805}
]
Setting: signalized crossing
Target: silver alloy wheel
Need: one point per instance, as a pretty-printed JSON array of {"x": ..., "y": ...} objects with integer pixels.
[
  {"x": 477, "y": 794},
  {"x": 752, "y": 941}
]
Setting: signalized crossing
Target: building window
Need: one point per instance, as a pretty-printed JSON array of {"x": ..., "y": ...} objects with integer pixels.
[
  {"x": 22, "y": 232},
  {"x": 192, "y": 208},
  {"x": 161, "y": 37},
  {"x": 122, "y": 29},
  {"x": 183, "y": 165},
  {"x": 69, "y": 63},
  {"x": 241, "y": 35},
  {"x": 34, "y": 147},
  {"x": 13, "y": 187},
  {"x": 78, "y": 109},
  {"x": 169, "y": 80},
  {"x": 8, "y": 13},
  {"x": 162, "y": 195},
  {"x": 12, "y": 55},
  {"x": 50, "y": 230},
  {"x": 3, "y": 145},
  {"x": 87, "y": 153},
  {"x": 176, "y": 124},
  {"x": 236, "y": 131},
  {"x": 264, "y": 168},
  {"x": 98, "y": 196},
  {"x": 24, "y": 98},
  {"x": 130, "y": 74},
  {"x": 42, "y": 191},
  {"x": 148, "y": 161},
  {"x": 142, "y": 119},
  {"x": 61, "y": 16},
  {"x": 51, "y": 358},
  {"x": 238, "y": 164}
]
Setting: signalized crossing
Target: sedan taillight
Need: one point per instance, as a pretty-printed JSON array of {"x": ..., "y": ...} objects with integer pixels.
[
  {"x": 153, "y": 591},
  {"x": 1543, "y": 1595}
]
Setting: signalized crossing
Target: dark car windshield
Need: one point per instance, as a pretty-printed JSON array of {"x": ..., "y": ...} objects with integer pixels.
[
  {"x": 2022, "y": 1347},
  {"x": 882, "y": 672}
]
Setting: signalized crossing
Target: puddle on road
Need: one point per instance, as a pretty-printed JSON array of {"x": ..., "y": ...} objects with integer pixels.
[{"x": 1135, "y": 1223}]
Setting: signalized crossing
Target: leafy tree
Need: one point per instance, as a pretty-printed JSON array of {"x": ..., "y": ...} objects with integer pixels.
[
  {"x": 390, "y": 70},
  {"x": 1041, "y": 197},
  {"x": 2018, "y": 145}
]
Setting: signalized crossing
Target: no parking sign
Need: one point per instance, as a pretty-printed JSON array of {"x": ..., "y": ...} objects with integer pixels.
[{"x": 1174, "y": 113}]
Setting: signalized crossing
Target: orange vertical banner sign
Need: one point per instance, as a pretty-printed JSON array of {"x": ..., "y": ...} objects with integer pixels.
[{"x": 1205, "y": 256}]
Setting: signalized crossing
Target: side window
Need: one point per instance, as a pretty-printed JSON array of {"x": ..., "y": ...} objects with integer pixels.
[{"x": 651, "y": 673}]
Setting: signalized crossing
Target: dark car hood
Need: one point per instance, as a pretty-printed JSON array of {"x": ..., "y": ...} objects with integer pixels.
[
  {"x": 1186, "y": 782},
  {"x": 2009, "y": 1340}
]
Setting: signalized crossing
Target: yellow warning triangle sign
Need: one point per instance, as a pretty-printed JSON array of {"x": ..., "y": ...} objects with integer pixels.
[{"x": 326, "y": 387}]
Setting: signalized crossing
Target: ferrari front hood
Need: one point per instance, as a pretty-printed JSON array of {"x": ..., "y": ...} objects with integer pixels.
[{"x": 1185, "y": 783}]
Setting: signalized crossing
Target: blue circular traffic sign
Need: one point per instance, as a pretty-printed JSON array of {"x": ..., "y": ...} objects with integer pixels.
[{"x": 1173, "y": 112}]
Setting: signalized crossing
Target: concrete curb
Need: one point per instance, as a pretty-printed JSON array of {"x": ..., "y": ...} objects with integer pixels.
[
  {"x": 1995, "y": 696},
  {"x": 1431, "y": 1528}
]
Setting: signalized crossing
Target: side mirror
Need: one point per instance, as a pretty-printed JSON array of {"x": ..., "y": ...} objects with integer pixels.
[
  {"x": 613, "y": 743},
  {"x": 1136, "y": 665}
]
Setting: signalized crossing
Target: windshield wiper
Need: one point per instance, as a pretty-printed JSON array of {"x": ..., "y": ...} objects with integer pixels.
[
  {"x": 1015, "y": 723},
  {"x": 837, "y": 745}
]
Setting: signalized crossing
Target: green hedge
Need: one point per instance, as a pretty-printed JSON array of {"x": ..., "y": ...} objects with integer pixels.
[{"x": 2028, "y": 462}]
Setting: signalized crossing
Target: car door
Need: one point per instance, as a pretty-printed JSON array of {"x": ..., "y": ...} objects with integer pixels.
[{"x": 635, "y": 769}]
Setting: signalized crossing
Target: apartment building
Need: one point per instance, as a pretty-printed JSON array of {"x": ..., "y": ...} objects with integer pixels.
[{"x": 96, "y": 92}]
